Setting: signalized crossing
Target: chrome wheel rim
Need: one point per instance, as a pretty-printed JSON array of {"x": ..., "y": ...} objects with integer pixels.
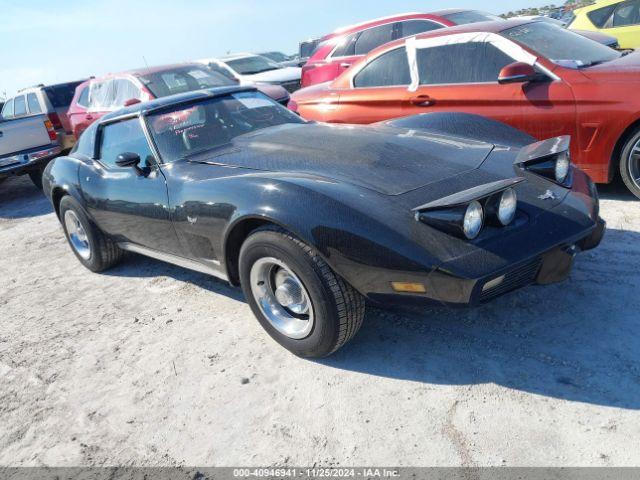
[
  {"x": 634, "y": 164},
  {"x": 77, "y": 234},
  {"x": 282, "y": 297}
]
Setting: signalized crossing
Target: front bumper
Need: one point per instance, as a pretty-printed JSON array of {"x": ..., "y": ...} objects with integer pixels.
[
  {"x": 26, "y": 161},
  {"x": 551, "y": 266}
]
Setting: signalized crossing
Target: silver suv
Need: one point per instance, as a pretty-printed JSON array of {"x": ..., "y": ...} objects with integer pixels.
[{"x": 52, "y": 101}]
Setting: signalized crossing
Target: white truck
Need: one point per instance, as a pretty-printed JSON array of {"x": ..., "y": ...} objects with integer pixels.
[{"x": 27, "y": 144}]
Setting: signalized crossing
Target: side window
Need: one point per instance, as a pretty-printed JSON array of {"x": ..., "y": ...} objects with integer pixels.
[
  {"x": 374, "y": 37},
  {"x": 124, "y": 137},
  {"x": 409, "y": 28},
  {"x": 102, "y": 95},
  {"x": 473, "y": 62},
  {"x": 389, "y": 69},
  {"x": 347, "y": 47},
  {"x": 34, "y": 105},
  {"x": 7, "y": 110},
  {"x": 600, "y": 16},
  {"x": 125, "y": 90},
  {"x": 627, "y": 13},
  {"x": 19, "y": 106},
  {"x": 83, "y": 99}
]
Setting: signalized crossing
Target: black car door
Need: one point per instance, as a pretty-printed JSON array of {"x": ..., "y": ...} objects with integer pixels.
[{"x": 129, "y": 205}]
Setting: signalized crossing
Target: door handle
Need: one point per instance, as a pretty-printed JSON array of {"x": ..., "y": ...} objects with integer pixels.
[
  {"x": 422, "y": 101},
  {"x": 88, "y": 117},
  {"x": 345, "y": 65}
]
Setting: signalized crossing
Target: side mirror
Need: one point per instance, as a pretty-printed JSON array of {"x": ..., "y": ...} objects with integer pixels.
[
  {"x": 132, "y": 101},
  {"x": 129, "y": 159},
  {"x": 517, "y": 72}
]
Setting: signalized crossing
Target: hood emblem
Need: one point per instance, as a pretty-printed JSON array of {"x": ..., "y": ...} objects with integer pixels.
[{"x": 548, "y": 195}]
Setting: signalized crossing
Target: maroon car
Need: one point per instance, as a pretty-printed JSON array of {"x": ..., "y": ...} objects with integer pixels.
[{"x": 99, "y": 96}]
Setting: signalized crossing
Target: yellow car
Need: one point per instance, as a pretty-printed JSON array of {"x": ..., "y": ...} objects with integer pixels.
[{"x": 614, "y": 17}]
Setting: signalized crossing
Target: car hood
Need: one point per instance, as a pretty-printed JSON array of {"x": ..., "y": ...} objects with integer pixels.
[
  {"x": 388, "y": 160},
  {"x": 623, "y": 69},
  {"x": 280, "y": 75}
]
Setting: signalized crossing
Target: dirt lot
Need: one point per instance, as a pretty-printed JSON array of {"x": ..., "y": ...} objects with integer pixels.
[{"x": 147, "y": 365}]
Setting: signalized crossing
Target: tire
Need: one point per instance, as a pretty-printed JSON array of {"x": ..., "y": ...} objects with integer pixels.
[
  {"x": 336, "y": 309},
  {"x": 102, "y": 253},
  {"x": 630, "y": 163},
  {"x": 36, "y": 178}
]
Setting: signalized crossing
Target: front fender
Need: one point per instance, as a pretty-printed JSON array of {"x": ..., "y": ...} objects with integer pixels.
[{"x": 359, "y": 233}]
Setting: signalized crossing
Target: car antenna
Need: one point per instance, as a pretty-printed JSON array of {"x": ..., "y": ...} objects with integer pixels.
[{"x": 145, "y": 61}]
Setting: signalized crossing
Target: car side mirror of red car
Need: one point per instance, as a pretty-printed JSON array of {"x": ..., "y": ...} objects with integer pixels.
[
  {"x": 131, "y": 101},
  {"x": 517, "y": 72}
]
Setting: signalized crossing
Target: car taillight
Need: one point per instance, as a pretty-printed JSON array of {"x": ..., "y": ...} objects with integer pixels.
[
  {"x": 293, "y": 106},
  {"x": 53, "y": 136},
  {"x": 55, "y": 120}
]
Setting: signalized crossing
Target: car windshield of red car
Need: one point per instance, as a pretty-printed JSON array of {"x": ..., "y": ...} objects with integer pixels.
[
  {"x": 561, "y": 46},
  {"x": 470, "y": 16}
]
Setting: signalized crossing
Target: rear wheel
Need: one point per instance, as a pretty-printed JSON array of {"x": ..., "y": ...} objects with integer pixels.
[
  {"x": 296, "y": 296},
  {"x": 93, "y": 248},
  {"x": 630, "y": 164}
]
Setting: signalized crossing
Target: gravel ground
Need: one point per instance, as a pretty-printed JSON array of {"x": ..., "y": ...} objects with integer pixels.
[{"x": 153, "y": 365}]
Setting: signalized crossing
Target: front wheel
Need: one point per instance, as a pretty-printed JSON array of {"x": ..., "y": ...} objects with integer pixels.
[
  {"x": 295, "y": 295},
  {"x": 630, "y": 164}
]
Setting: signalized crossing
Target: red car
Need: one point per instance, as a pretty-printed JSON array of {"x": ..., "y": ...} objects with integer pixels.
[
  {"x": 339, "y": 50},
  {"x": 532, "y": 75},
  {"x": 98, "y": 96}
]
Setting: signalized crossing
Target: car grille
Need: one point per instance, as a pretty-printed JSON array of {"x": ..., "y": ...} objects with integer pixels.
[
  {"x": 291, "y": 86},
  {"x": 516, "y": 278}
]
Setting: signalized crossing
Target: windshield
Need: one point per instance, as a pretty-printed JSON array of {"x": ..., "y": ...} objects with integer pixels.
[
  {"x": 183, "y": 79},
  {"x": 563, "y": 47},
  {"x": 470, "y": 16},
  {"x": 275, "y": 56},
  {"x": 185, "y": 131},
  {"x": 61, "y": 95},
  {"x": 252, "y": 65}
]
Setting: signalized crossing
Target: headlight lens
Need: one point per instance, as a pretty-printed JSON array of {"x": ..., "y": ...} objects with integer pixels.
[
  {"x": 563, "y": 162},
  {"x": 473, "y": 219},
  {"x": 507, "y": 207}
]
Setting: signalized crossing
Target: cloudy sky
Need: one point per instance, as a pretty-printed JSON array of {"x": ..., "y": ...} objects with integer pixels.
[{"x": 46, "y": 42}]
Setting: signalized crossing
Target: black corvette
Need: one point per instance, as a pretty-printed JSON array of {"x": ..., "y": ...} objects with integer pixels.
[{"x": 311, "y": 219}]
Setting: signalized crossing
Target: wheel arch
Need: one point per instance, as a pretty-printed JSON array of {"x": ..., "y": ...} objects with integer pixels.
[
  {"x": 240, "y": 230},
  {"x": 59, "y": 192},
  {"x": 614, "y": 164}
]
